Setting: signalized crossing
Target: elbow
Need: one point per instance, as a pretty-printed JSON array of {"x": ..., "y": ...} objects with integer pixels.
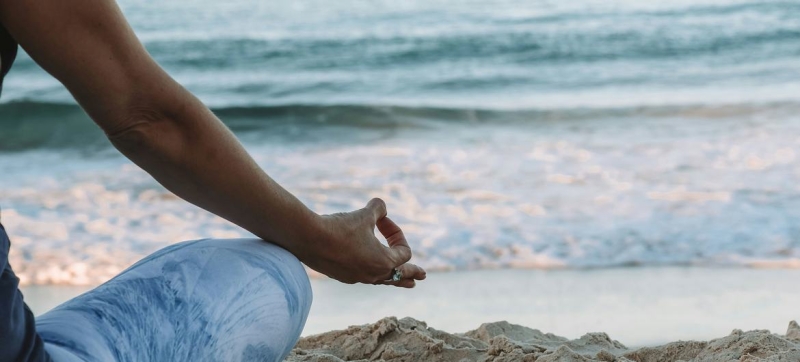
[
  {"x": 140, "y": 116},
  {"x": 159, "y": 129},
  {"x": 132, "y": 131},
  {"x": 140, "y": 135}
]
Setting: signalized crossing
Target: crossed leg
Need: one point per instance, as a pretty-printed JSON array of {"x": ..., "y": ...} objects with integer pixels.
[{"x": 204, "y": 300}]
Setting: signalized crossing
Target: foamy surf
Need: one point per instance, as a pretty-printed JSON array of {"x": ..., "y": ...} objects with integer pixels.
[{"x": 637, "y": 190}]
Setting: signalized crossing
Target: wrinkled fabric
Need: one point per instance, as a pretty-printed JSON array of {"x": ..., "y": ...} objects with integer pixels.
[{"x": 205, "y": 300}]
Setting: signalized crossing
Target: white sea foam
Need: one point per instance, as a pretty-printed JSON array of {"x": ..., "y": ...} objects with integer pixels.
[{"x": 688, "y": 190}]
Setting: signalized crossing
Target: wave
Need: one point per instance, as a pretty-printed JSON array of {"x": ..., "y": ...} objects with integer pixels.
[
  {"x": 501, "y": 38},
  {"x": 31, "y": 124},
  {"x": 490, "y": 52}
]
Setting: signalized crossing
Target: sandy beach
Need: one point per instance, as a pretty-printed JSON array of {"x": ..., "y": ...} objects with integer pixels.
[
  {"x": 408, "y": 339},
  {"x": 626, "y": 314},
  {"x": 633, "y": 313}
]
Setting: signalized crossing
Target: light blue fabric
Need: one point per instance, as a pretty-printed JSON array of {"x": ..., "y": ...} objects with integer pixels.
[{"x": 205, "y": 300}]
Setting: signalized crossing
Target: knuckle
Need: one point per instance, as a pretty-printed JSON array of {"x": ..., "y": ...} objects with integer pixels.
[{"x": 405, "y": 256}]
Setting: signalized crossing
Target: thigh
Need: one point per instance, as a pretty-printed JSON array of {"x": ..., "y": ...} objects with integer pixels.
[{"x": 205, "y": 300}]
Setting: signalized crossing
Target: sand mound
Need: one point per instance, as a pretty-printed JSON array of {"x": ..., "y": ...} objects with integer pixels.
[{"x": 407, "y": 339}]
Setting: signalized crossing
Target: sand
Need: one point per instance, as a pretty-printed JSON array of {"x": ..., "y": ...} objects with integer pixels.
[{"x": 408, "y": 339}]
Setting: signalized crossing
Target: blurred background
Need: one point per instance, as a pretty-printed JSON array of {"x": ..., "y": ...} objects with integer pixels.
[{"x": 629, "y": 166}]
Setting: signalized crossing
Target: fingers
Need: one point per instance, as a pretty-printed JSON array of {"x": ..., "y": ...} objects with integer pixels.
[
  {"x": 411, "y": 273},
  {"x": 399, "y": 251},
  {"x": 406, "y": 283}
]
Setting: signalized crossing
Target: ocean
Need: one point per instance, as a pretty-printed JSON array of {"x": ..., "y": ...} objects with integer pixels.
[{"x": 501, "y": 134}]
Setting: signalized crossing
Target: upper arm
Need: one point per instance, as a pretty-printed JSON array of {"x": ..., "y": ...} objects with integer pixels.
[{"x": 89, "y": 47}]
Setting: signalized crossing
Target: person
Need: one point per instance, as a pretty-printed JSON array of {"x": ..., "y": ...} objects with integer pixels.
[{"x": 220, "y": 300}]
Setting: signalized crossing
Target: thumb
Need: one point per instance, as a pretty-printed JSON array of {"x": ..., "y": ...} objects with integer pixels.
[{"x": 377, "y": 209}]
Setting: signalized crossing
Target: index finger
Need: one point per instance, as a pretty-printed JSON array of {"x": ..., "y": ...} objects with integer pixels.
[{"x": 399, "y": 251}]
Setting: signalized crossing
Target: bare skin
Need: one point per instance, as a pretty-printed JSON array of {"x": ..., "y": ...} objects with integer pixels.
[{"x": 89, "y": 47}]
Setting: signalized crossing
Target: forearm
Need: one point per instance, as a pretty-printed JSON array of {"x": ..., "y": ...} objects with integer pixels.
[
  {"x": 93, "y": 51},
  {"x": 187, "y": 149}
]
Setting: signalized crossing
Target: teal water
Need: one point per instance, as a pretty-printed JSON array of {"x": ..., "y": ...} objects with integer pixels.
[{"x": 464, "y": 54}]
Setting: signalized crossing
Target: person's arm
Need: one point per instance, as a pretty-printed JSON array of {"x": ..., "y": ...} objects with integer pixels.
[{"x": 91, "y": 49}]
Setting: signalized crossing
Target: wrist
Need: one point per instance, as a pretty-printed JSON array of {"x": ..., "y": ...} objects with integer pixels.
[{"x": 310, "y": 233}]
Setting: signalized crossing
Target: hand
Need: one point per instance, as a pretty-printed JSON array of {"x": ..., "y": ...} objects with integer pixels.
[{"x": 345, "y": 248}]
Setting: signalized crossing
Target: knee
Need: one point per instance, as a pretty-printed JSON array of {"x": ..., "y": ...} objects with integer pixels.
[
  {"x": 226, "y": 265},
  {"x": 259, "y": 262},
  {"x": 245, "y": 264},
  {"x": 269, "y": 292}
]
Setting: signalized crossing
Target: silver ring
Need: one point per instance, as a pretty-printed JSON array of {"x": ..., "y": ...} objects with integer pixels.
[{"x": 397, "y": 275}]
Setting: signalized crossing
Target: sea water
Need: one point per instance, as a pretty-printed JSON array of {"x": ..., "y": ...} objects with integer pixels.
[{"x": 502, "y": 134}]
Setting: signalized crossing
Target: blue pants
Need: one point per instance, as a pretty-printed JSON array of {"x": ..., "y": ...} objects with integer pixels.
[{"x": 205, "y": 300}]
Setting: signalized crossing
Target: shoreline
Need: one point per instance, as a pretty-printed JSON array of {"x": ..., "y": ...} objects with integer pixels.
[{"x": 638, "y": 306}]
